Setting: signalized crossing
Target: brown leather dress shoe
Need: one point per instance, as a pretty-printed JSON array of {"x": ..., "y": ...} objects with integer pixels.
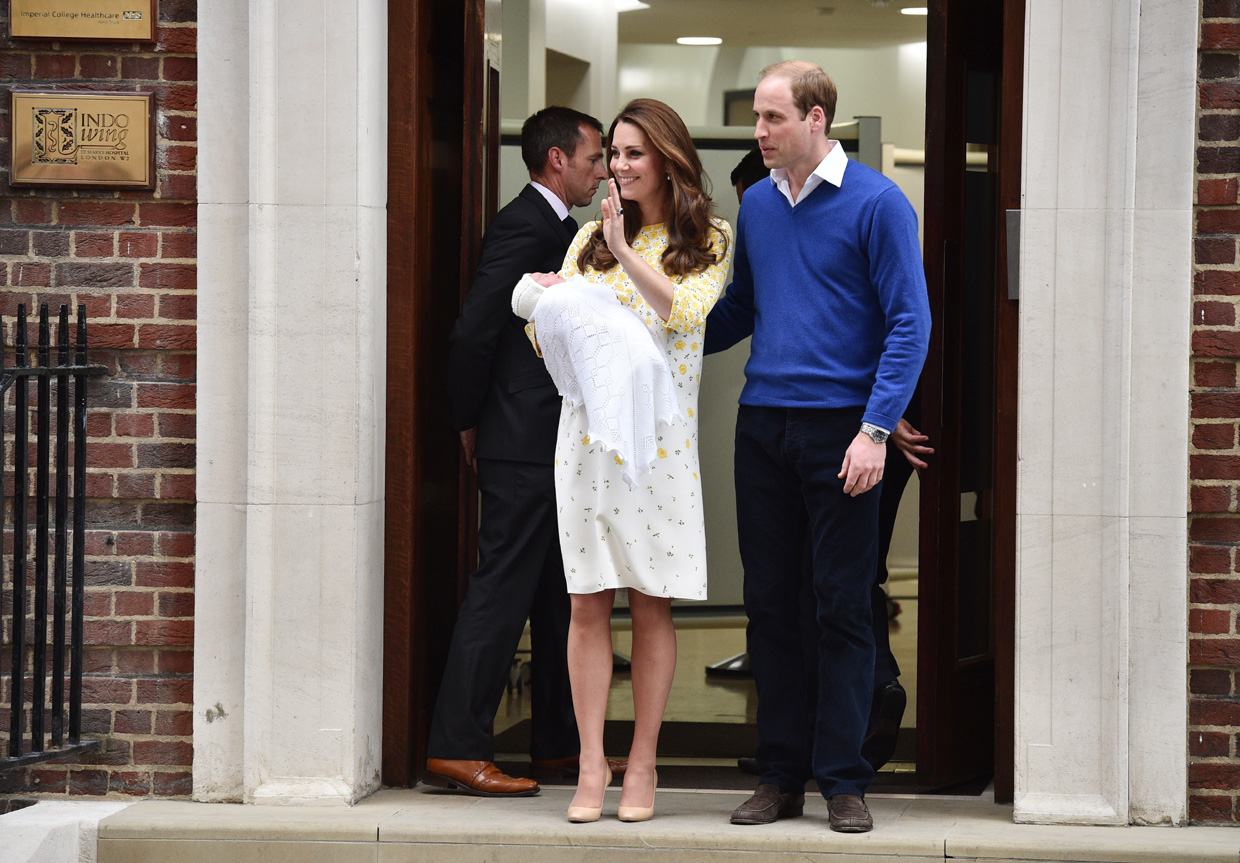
[
  {"x": 849, "y": 814},
  {"x": 549, "y": 769},
  {"x": 768, "y": 805},
  {"x": 482, "y": 778}
]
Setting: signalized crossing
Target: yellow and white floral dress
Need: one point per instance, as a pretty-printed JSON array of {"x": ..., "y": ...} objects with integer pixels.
[{"x": 650, "y": 537}]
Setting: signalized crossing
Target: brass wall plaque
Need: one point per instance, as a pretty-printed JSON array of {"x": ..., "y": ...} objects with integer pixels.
[
  {"x": 119, "y": 20},
  {"x": 68, "y": 138}
]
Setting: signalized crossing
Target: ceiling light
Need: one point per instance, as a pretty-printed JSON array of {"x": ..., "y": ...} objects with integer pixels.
[
  {"x": 699, "y": 40},
  {"x": 630, "y": 5},
  {"x": 915, "y": 10}
]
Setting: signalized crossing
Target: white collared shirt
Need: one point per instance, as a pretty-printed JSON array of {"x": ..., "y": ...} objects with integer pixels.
[
  {"x": 561, "y": 209},
  {"x": 830, "y": 169}
]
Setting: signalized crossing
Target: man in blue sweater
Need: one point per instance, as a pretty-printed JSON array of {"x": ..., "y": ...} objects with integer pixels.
[{"x": 828, "y": 280}]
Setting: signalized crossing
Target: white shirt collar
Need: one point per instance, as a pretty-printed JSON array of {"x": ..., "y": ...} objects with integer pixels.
[
  {"x": 561, "y": 209},
  {"x": 830, "y": 170}
]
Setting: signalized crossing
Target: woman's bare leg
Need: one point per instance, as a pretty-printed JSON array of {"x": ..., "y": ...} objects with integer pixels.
[
  {"x": 589, "y": 672},
  {"x": 654, "y": 665}
]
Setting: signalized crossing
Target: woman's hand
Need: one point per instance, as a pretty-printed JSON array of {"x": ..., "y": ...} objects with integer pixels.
[
  {"x": 546, "y": 279},
  {"x": 912, "y": 443},
  {"x": 613, "y": 221}
]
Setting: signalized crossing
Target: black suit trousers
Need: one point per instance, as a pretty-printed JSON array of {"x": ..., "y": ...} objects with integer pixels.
[{"x": 520, "y": 574}]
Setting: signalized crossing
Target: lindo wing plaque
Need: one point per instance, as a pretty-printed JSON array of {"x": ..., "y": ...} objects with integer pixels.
[
  {"x": 111, "y": 20},
  {"x": 67, "y": 138}
]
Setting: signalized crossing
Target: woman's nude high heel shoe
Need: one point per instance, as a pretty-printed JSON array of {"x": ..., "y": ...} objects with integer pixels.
[
  {"x": 638, "y": 813},
  {"x": 586, "y": 814}
]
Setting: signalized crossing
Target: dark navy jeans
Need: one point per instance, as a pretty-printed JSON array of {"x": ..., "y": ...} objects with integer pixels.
[{"x": 787, "y": 489}]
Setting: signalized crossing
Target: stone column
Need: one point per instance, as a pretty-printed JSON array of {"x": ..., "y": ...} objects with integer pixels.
[
  {"x": 1102, "y": 498},
  {"x": 292, "y": 190}
]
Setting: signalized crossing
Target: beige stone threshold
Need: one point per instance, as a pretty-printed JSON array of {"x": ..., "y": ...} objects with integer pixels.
[{"x": 422, "y": 825}]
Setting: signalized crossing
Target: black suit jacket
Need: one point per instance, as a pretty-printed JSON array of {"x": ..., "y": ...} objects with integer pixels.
[{"x": 495, "y": 380}]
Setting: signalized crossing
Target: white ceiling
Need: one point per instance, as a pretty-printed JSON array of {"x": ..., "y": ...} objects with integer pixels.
[{"x": 776, "y": 23}]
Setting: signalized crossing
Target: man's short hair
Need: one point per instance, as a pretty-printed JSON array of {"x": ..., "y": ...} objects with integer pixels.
[
  {"x": 750, "y": 170},
  {"x": 810, "y": 86},
  {"x": 555, "y": 126}
]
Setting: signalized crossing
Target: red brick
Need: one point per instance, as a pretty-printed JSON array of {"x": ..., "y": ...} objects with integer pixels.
[
  {"x": 168, "y": 215},
  {"x": 49, "y": 780},
  {"x": 1214, "y": 776},
  {"x": 1212, "y": 651},
  {"x": 1214, "y": 250},
  {"x": 1204, "y": 529},
  {"x": 176, "y": 545},
  {"x": 55, "y": 66},
  {"x": 163, "y": 752},
  {"x": 1209, "y": 560},
  {"x": 1214, "y": 591},
  {"x": 133, "y": 722},
  {"x": 1209, "y": 9},
  {"x": 178, "y": 307},
  {"x": 1205, "y": 435},
  {"x": 99, "y": 425},
  {"x": 112, "y": 213},
  {"x": 107, "y": 632},
  {"x": 1209, "y": 744},
  {"x": 1215, "y": 405},
  {"x": 169, "y": 277},
  {"x": 1220, "y": 96},
  {"x": 179, "y": 690},
  {"x": 1210, "y": 808},
  {"x": 140, "y": 68},
  {"x": 97, "y": 305},
  {"x": 138, "y": 245},
  {"x": 131, "y": 782},
  {"x": 177, "y": 97},
  {"x": 167, "y": 396},
  {"x": 170, "y": 784},
  {"x": 1200, "y": 466},
  {"x": 100, "y": 484},
  {"x": 1209, "y": 681},
  {"x": 179, "y": 245},
  {"x": 180, "y": 633},
  {"x": 132, "y": 543},
  {"x": 101, "y": 66},
  {"x": 139, "y": 486},
  {"x": 140, "y": 425},
  {"x": 1217, "y": 192},
  {"x": 51, "y": 244},
  {"x": 176, "y": 662},
  {"x": 1213, "y": 712},
  {"x": 111, "y": 336},
  {"x": 1220, "y": 36},
  {"x": 15, "y": 66},
  {"x": 181, "y": 366},
  {"x": 135, "y": 661},
  {"x": 106, "y": 690},
  {"x": 1214, "y": 374},
  {"x": 140, "y": 306},
  {"x": 170, "y": 337},
  {"x": 1218, "y": 221},
  {"x": 109, "y": 454},
  {"x": 1211, "y": 498},
  {"x": 134, "y": 603},
  {"x": 181, "y": 40},
  {"x": 178, "y": 187},
  {"x": 1203, "y": 621},
  {"x": 163, "y": 573},
  {"x": 1218, "y": 160},
  {"x": 14, "y": 242},
  {"x": 166, "y": 455},
  {"x": 88, "y": 782},
  {"x": 178, "y": 425},
  {"x": 179, "y": 127},
  {"x": 177, "y": 487},
  {"x": 178, "y": 605},
  {"x": 1214, "y": 313},
  {"x": 182, "y": 157},
  {"x": 100, "y": 542},
  {"x": 174, "y": 723},
  {"x": 28, "y": 275},
  {"x": 97, "y": 603}
]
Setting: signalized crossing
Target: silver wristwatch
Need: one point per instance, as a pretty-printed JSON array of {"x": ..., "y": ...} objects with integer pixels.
[{"x": 875, "y": 433}]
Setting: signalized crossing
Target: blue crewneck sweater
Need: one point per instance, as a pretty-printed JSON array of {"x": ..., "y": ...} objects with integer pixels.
[{"x": 833, "y": 292}]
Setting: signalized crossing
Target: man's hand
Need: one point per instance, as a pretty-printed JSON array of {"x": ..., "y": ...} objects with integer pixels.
[
  {"x": 546, "y": 279},
  {"x": 469, "y": 437},
  {"x": 863, "y": 465},
  {"x": 912, "y": 443}
]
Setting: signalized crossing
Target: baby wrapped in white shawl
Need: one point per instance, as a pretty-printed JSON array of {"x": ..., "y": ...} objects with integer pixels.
[{"x": 601, "y": 355}]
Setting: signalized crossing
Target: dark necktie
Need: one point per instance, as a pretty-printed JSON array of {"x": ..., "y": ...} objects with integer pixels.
[{"x": 570, "y": 223}]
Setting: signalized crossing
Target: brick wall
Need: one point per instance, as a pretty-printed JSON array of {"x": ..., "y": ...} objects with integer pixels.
[
  {"x": 1214, "y": 526},
  {"x": 130, "y": 257}
]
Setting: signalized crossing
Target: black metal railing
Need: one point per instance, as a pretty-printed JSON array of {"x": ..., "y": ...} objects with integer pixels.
[{"x": 48, "y": 737}]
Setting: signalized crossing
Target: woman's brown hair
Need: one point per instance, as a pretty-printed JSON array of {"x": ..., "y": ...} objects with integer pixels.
[{"x": 691, "y": 216}]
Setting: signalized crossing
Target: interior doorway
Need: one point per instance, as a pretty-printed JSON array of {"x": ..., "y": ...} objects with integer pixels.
[{"x": 438, "y": 76}]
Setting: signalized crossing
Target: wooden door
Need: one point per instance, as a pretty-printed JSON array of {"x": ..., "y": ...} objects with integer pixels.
[{"x": 967, "y": 567}]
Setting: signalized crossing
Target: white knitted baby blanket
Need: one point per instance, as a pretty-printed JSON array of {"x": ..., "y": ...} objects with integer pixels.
[{"x": 601, "y": 355}]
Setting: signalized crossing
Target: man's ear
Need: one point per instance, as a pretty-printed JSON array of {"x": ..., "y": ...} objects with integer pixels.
[
  {"x": 817, "y": 117},
  {"x": 556, "y": 159}
]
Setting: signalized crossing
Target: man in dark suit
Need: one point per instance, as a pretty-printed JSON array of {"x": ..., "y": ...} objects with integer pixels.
[{"x": 506, "y": 409}]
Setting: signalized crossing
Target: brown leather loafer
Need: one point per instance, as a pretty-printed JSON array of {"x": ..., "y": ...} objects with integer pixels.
[
  {"x": 849, "y": 814},
  {"x": 549, "y": 769},
  {"x": 482, "y": 778},
  {"x": 767, "y": 806}
]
